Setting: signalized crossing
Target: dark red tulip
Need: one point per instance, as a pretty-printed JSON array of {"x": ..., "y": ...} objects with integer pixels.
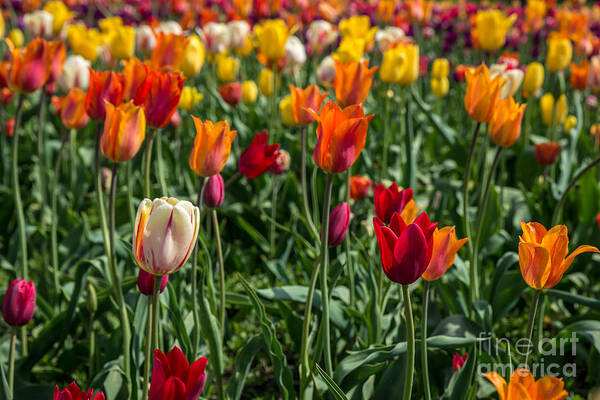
[
  {"x": 458, "y": 361},
  {"x": 9, "y": 127},
  {"x": 390, "y": 200},
  {"x": 173, "y": 378},
  {"x": 214, "y": 191},
  {"x": 405, "y": 249},
  {"x": 145, "y": 282},
  {"x": 72, "y": 392},
  {"x": 547, "y": 153},
  {"x": 258, "y": 157},
  {"x": 231, "y": 93},
  {"x": 18, "y": 305},
  {"x": 338, "y": 224}
]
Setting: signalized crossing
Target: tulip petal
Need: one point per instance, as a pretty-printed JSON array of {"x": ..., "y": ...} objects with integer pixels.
[
  {"x": 534, "y": 264},
  {"x": 160, "y": 372},
  {"x": 410, "y": 256},
  {"x": 559, "y": 270},
  {"x": 517, "y": 391},
  {"x": 178, "y": 363},
  {"x": 387, "y": 241},
  {"x": 498, "y": 382},
  {"x": 173, "y": 389},
  {"x": 548, "y": 388},
  {"x": 196, "y": 379}
]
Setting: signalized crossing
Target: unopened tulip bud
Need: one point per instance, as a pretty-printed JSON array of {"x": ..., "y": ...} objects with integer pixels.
[
  {"x": 92, "y": 299},
  {"x": 6, "y": 95},
  {"x": 547, "y": 153},
  {"x": 231, "y": 93},
  {"x": 18, "y": 305},
  {"x": 145, "y": 283},
  {"x": 591, "y": 102},
  {"x": 359, "y": 187},
  {"x": 281, "y": 164},
  {"x": 9, "y": 127},
  {"x": 570, "y": 123},
  {"x": 249, "y": 92},
  {"x": 338, "y": 224},
  {"x": 214, "y": 191}
]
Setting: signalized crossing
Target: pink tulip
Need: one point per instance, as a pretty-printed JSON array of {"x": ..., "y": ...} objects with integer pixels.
[
  {"x": 338, "y": 224},
  {"x": 145, "y": 282},
  {"x": 214, "y": 192},
  {"x": 18, "y": 305}
]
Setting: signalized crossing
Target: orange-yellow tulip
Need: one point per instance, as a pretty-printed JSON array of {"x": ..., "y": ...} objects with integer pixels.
[
  {"x": 579, "y": 75},
  {"x": 71, "y": 109},
  {"x": 134, "y": 75},
  {"x": 482, "y": 93},
  {"x": 303, "y": 99},
  {"x": 30, "y": 67},
  {"x": 341, "y": 136},
  {"x": 352, "y": 82},
  {"x": 169, "y": 51},
  {"x": 523, "y": 386},
  {"x": 543, "y": 254},
  {"x": 445, "y": 247},
  {"x": 58, "y": 55},
  {"x": 505, "y": 126},
  {"x": 212, "y": 147},
  {"x": 124, "y": 131}
]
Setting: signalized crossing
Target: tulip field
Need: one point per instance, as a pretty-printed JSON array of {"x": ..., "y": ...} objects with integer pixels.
[{"x": 299, "y": 199}]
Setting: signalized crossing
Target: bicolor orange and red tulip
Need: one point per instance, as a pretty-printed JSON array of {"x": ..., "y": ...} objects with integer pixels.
[
  {"x": 134, "y": 76},
  {"x": 212, "y": 147},
  {"x": 231, "y": 93},
  {"x": 30, "y": 67},
  {"x": 523, "y": 386},
  {"x": 482, "y": 93},
  {"x": 543, "y": 254},
  {"x": 105, "y": 85},
  {"x": 546, "y": 153},
  {"x": 579, "y": 75},
  {"x": 58, "y": 55},
  {"x": 505, "y": 126},
  {"x": 169, "y": 52},
  {"x": 341, "y": 136},
  {"x": 71, "y": 109},
  {"x": 445, "y": 247},
  {"x": 159, "y": 95},
  {"x": 352, "y": 82},
  {"x": 303, "y": 99},
  {"x": 359, "y": 187},
  {"x": 124, "y": 131}
]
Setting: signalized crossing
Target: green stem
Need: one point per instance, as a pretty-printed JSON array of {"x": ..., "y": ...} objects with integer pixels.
[
  {"x": 222, "y": 310},
  {"x": 409, "y": 138},
  {"x": 92, "y": 352},
  {"x": 130, "y": 206},
  {"x": 424, "y": 363},
  {"x": 349, "y": 262},
  {"x": 386, "y": 137},
  {"x": 54, "y": 224},
  {"x": 195, "y": 314},
  {"x": 305, "y": 367},
  {"x": 410, "y": 344},
  {"x": 11, "y": 361},
  {"x": 147, "y": 159},
  {"x": 99, "y": 193},
  {"x": 41, "y": 159},
  {"x": 17, "y": 189},
  {"x": 305, "y": 204},
  {"x": 531, "y": 321},
  {"x": 159, "y": 164},
  {"x": 124, "y": 319},
  {"x": 466, "y": 178},
  {"x": 324, "y": 260},
  {"x": 152, "y": 319},
  {"x": 273, "y": 231},
  {"x": 557, "y": 211},
  {"x": 72, "y": 157}
]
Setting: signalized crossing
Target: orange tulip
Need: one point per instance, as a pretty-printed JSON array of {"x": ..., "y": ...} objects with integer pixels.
[
  {"x": 134, "y": 75},
  {"x": 352, "y": 82},
  {"x": 341, "y": 136},
  {"x": 523, "y": 386},
  {"x": 169, "y": 51},
  {"x": 71, "y": 109},
  {"x": 542, "y": 254},
  {"x": 212, "y": 147},
  {"x": 159, "y": 95},
  {"x": 505, "y": 126},
  {"x": 58, "y": 55},
  {"x": 30, "y": 67},
  {"x": 124, "y": 131},
  {"x": 482, "y": 93},
  {"x": 303, "y": 99},
  {"x": 579, "y": 75},
  {"x": 445, "y": 247},
  {"x": 105, "y": 85}
]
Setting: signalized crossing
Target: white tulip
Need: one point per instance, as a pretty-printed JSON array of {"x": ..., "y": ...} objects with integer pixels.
[{"x": 74, "y": 74}]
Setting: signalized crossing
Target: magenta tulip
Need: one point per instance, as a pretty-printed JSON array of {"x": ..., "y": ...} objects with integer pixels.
[
  {"x": 18, "y": 305},
  {"x": 173, "y": 378},
  {"x": 72, "y": 392},
  {"x": 214, "y": 191},
  {"x": 338, "y": 224},
  {"x": 145, "y": 282},
  {"x": 390, "y": 200}
]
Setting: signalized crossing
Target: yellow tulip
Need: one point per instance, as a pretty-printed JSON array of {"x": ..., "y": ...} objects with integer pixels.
[
  {"x": 440, "y": 68},
  {"x": 440, "y": 87},
  {"x": 285, "y": 109},
  {"x": 534, "y": 79},
  {"x": 60, "y": 13},
  {"x": 2, "y": 26},
  {"x": 272, "y": 35},
  {"x": 190, "y": 96},
  {"x": 350, "y": 50},
  {"x": 193, "y": 60},
  {"x": 491, "y": 27},
  {"x": 358, "y": 27},
  {"x": 246, "y": 49},
  {"x": 560, "y": 52},
  {"x": 392, "y": 65},
  {"x": 84, "y": 42},
  {"x": 570, "y": 123},
  {"x": 249, "y": 92},
  {"x": 265, "y": 82},
  {"x": 109, "y": 24},
  {"x": 16, "y": 37},
  {"x": 121, "y": 41},
  {"x": 227, "y": 67},
  {"x": 553, "y": 114}
]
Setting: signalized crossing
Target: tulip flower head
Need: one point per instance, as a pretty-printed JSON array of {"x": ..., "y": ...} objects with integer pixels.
[
  {"x": 339, "y": 219},
  {"x": 458, "y": 361},
  {"x": 352, "y": 82},
  {"x": 281, "y": 164},
  {"x": 546, "y": 153},
  {"x": 359, "y": 187},
  {"x": 482, "y": 93},
  {"x": 169, "y": 52},
  {"x": 491, "y": 27},
  {"x": 145, "y": 283},
  {"x": 190, "y": 97},
  {"x": 391, "y": 200},
  {"x": 60, "y": 14},
  {"x": 193, "y": 58},
  {"x": 106, "y": 86},
  {"x": 286, "y": 111},
  {"x": 303, "y": 99},
  {"x": 231, "y": 93},
  {"x": 543, "y": 254},
  {"x": 505, "y": 126},
  {"x": 445, "y": 247},
  {"x": 159, "y": 95},
  {"x": 533, "y": 80},
  {"x": 212, "y": 147},
  {"x": 560, "y": 52},
  {"x": 405, "y": 249},
  {"x": 523, "y": 386},
  {"x": 135, "y": 73},
  {"x": 272, "y": 35},
  {"x": 249, "y": 92},
  {"x": 18, "y": 304},
  {"x": 72, "y": 392},
  {"x": 214, "y": 191},
  {"x": 165, "y": 234},
  {"x": 258, "y": 156},
  {"x": 579, "y": 75},
  {"x": 341, "y": 136},
  {"x": 74, "y": 73},
  {"x": 174, "y": 378},
  {"x": 30, "y": 67},
  {"x": 553, "y": 113},
  {"x": 124, "y": 131}
]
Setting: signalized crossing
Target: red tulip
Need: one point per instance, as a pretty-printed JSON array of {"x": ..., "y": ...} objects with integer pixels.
[
  {"x": 18, "y": 305},
  {"x": 281, "y": 164},
  {"x": 546, "y": 153},
  {"x": 405, "y": 249},
  {"x": 231, "y": 93},
  {"x": 338, "y": 224},
  {"x": 72, "y": 392},
  {"x": 214, "y": 191},
  {"x": 359, "y": 187},
  {"x": 173, "y": 378},
  {"x": 458, "y": 361},
  {"x": 145, "y": 282},
  {"x": 390, "y": 200},
  {"x": 159, "y": 95},
  {"x": 9, "y": 127},
  {"x": 258, "y": 157},
  {"x": 106, "y": 85}
]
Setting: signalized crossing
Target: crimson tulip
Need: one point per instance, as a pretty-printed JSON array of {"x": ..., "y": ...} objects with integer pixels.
[
  {"x": 458, "y": 361},
  {"x": 145, "y": 282},
  {"x": 258, "y": 156},
  {"x": 214, "y": 191},
  {"x": 338, "y": 224},
  {"x": 72, "y": 392},
  {"x": 18, "y": 305},
  {"x": 390, "y": 200},
  {"x": 173, "y": 378}
]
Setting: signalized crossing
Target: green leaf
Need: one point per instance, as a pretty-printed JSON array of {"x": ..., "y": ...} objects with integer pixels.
[
  {"x": 4, "y": 389},
  {"x": 447, "y": 132},
  {"x": 177, "y": 320},
  {"x": 243, "y": 362},
  {"x": 334, "y": 389},
  {"x": 281, "y": 370},
  {"x": 589, "y": 329},
  {"x": 575, "y": 298}
]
